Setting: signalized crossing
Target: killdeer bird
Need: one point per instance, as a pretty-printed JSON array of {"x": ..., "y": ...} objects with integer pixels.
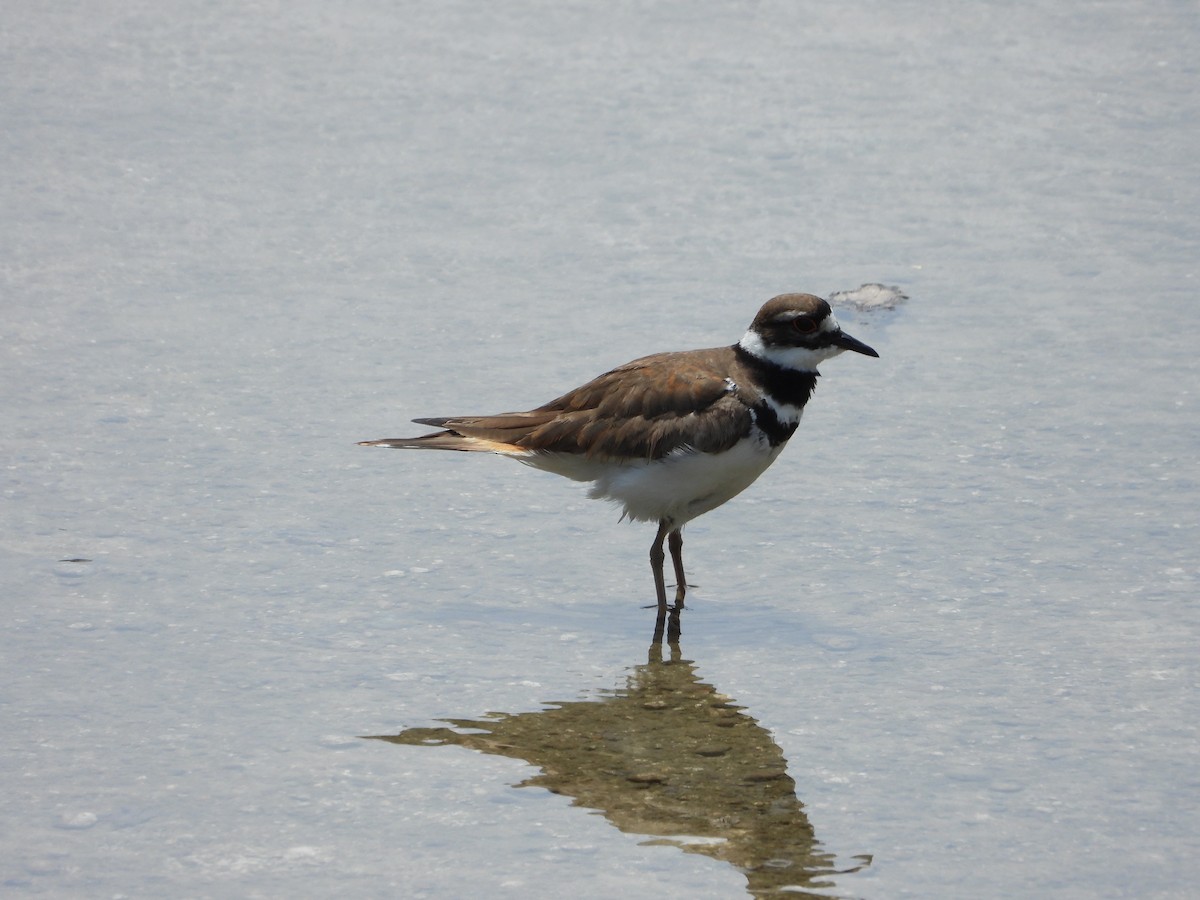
[{"x": 669, "y": 436}]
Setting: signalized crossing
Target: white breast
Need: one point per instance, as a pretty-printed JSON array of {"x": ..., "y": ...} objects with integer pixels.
[{"x": 678, "y": 487}]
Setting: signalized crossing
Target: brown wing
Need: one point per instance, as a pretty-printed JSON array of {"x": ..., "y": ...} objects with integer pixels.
[{"x": 642, "y": 410}]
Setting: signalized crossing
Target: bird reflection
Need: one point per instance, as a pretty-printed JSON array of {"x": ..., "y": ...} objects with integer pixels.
[{"x": 670, "y": 757}]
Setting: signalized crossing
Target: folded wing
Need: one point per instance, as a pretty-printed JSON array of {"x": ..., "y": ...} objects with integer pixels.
[{"x": 645, "y": 409}]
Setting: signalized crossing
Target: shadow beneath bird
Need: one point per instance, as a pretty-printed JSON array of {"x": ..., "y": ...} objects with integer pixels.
[
  {"x": 667, "y": 622},
  {"x": 669, "y": 757}
]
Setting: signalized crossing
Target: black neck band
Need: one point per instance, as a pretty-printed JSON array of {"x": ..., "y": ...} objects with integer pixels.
[
  {"x": 777, "y": 432},
  {"x": 781, "y": 384}
]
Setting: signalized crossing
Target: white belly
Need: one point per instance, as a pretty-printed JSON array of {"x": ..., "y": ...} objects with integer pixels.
[{"x": 678, "y": 487}]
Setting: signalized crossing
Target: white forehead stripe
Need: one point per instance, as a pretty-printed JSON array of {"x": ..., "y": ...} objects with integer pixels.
[{"x": 828, "y": 323}]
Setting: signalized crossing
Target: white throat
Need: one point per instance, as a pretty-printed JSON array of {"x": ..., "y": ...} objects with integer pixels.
[{"x": 798, "y": 359}]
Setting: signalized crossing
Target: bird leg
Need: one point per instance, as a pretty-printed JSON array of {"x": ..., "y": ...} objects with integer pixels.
[
  {"x": 657, "y": 558},
  {"x": 675, "y": 542}
]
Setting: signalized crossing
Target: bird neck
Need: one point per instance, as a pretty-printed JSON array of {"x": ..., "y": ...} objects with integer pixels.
[{"x": 791, "y": 386}]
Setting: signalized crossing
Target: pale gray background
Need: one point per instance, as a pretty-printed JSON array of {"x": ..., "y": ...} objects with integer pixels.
[{"x": 235, "y": 238}]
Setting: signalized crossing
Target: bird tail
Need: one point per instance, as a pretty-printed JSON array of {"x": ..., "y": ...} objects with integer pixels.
[
  {"x": 448, "y": 440},
  {"x": 486, "y": 434}
]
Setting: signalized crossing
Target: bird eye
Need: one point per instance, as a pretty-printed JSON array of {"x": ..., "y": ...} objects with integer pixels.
[{"x": 804, "y": 324}]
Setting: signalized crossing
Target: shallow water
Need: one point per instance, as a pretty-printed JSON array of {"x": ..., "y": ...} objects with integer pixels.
[{"x": 956, "y": 621}]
